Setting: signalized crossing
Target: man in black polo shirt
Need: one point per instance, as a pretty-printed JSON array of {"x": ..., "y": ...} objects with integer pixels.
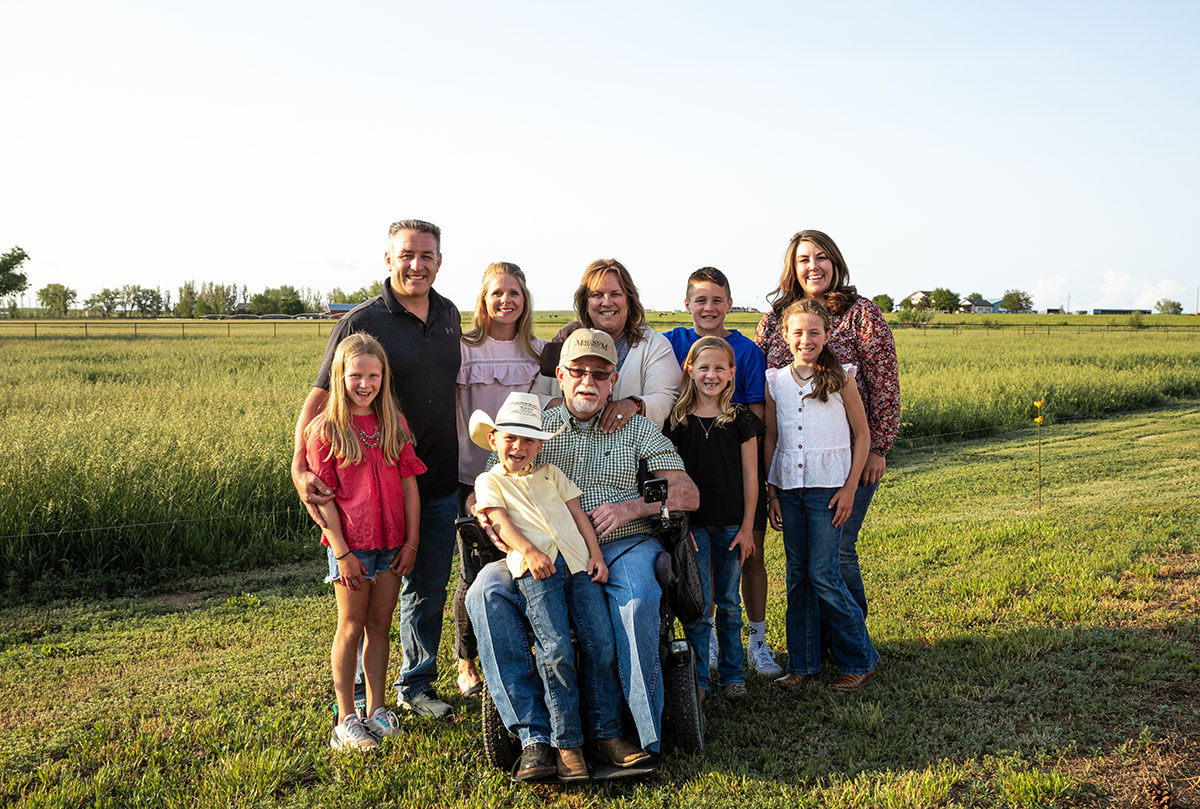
[{"x": 420, "y": 331}]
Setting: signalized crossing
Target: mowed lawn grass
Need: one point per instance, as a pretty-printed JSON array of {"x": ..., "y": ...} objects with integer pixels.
[{"x": 1029, "y": 658}]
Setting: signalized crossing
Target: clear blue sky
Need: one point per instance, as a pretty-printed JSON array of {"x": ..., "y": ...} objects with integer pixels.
[{"x": 981, "y": 146}]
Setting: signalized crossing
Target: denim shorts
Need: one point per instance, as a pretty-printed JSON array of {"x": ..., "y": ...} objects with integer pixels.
[{"x": 374, "y": 561}]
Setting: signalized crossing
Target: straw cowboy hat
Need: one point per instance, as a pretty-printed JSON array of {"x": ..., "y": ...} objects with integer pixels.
[{"x": 521, "y": 414}]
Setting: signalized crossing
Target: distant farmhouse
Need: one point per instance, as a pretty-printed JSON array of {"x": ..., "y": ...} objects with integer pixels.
[
  {"x": 921, "y": 298},
  {"x": 977, "y": 305}
]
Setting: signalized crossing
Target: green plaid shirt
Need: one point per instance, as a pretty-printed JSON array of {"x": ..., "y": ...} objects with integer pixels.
[{"x": 605, "y": 467}]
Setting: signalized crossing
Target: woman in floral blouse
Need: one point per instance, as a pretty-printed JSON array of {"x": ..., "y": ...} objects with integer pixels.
[{"x": 814, "y": 268}]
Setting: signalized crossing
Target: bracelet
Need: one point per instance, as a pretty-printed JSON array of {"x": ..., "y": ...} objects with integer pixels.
[
  {"x": 772, "y": 497},
  {"x": 343, "y": 556},
  {"x": 409, "y": 547}
]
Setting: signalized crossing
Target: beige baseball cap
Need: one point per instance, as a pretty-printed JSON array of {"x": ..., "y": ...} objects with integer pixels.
[{"x": 588, "y": 343}]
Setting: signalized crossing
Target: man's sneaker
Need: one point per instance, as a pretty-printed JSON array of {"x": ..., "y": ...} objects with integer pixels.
[
  {"x": 714, "y": 655},
  {"x": 762, "y": 660},
  {"x": 352, "y": 734},
  {"x": 426, "y": 704},
  {"x": 383, "y": 723}
]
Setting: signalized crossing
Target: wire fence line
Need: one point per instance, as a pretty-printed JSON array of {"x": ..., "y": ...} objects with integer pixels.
[
  {"x": 901, "y": 442},
  {"x": 127, "y": 526},
  {"x": 320, "y": 327}
]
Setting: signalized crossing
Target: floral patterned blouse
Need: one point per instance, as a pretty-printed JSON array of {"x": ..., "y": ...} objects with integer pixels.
[{"x": 859, "y": 336}]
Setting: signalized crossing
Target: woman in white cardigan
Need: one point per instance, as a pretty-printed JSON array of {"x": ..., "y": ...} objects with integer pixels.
[{"x": 648, "y": 374}]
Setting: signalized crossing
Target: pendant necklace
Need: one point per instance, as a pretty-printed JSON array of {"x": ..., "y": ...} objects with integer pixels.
[
  {"x": 800, "y": 379},
  {"x": 712, "y": 423},
  {"x": 371, "y": 439}
]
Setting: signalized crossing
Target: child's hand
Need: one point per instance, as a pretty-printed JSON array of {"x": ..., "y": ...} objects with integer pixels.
[
  {"x": 350, "y": 572},
  {"x": 843, "y": 501},
  {"x": 744, "y": 542},
  {"x": 539, "y": 564},
  {"x": 406, "y": 559},
  {"x": 775, "y": 514},
  {"x": 597, "y": 570}
]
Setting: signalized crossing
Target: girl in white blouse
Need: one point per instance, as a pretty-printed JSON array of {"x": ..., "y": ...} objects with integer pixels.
[{"x": 816, "y": 445}]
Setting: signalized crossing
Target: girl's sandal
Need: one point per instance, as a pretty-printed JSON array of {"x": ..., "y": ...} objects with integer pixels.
[
  {"x": 735, "y": 690},
  {"x": 793, "y": 680}
]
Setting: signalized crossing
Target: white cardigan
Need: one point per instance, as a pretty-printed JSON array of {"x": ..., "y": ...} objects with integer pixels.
[{"x": 650, "y": 373}]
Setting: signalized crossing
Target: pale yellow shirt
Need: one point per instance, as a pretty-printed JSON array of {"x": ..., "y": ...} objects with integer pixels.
[{"x": 536, "y": 501}]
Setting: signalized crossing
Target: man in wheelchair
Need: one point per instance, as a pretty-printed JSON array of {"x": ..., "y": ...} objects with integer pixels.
[{"x": 605, "y": 469}]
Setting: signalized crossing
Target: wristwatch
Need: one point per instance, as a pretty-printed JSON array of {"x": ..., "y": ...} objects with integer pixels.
[{"x": 641, "y": 405}]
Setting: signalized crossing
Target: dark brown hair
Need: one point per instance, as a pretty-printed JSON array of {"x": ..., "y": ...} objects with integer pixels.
[{"x": 840, "y": 297}]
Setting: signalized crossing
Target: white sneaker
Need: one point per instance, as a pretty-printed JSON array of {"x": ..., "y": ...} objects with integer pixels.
[
  {"x": 426, "y": 704},
  {"x": 762, "y": 660},
  {"x": 352, "y": 734},
  {"x": 714, "y": 655},
  {"x": 383, "y": 723}
]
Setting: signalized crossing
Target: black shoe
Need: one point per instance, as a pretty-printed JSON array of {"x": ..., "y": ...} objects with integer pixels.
[{"x": 536, "y": 762}]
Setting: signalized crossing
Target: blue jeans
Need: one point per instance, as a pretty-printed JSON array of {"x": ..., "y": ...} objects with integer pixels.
[
  {"x": 553, "y": 605},
  {"x": 495, "y": 605},
  {"x": 848, "y": 550},
  {"x": 723, "y": 586},
  {"x": 423, "y": 597},
  {"x": 816, "y": 590}
]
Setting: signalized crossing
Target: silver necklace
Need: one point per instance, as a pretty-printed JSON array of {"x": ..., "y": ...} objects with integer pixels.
[
  {"x": 707, "y": 430},
  {"x": 371, "y": 439}
]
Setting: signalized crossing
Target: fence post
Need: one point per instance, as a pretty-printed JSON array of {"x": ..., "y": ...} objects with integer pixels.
[
  {"x": 85, "y": 329},
  {"x": 226, "y": 328},
  {"x": 182, "y": 326},
  {"x": 274, "y": 329},
  {"x": 35, "y": 330},
  {"x": 135, "y": 328}
]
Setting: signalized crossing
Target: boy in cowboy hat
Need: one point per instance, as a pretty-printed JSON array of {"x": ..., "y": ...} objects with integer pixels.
[{"x": 556, "y": 562}]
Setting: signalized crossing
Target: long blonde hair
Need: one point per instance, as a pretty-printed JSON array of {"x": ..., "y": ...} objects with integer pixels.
[
  {"x": 337, "y": 430},
  {"x": 828, "y": 374},
  {"x": 690, "y": 396},
  {"x": 475, "y": 335}
]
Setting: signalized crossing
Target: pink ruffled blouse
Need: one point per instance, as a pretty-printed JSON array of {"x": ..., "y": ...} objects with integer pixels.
[{"x": 370, "y": 494}]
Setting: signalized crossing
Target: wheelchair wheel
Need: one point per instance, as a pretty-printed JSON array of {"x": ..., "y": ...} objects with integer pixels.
[
  {"x": 500, "y": 748},
  {"x": 683, "y": 705}
]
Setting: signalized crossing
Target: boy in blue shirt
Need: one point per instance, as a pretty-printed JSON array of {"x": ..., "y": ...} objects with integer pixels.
[{"x": 708, "y": 301}]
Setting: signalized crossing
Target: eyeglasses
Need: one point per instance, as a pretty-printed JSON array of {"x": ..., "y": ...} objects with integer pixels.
[{"x": 578, "y": 373}]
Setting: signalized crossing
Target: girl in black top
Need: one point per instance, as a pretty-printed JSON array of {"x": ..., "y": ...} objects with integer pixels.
[{"x": 717, "y": 441}]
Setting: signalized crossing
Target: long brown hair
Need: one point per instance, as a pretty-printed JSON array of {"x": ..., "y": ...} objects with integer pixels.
[
  {"x": 337, "y": 430},
  {"x": 688, "y": 398},
  {"x": 593, "y": 276},
  {"x": 828, "y": 374},
  {"x": 475, "y": 335},
  {"x": 840, "y": 296}
]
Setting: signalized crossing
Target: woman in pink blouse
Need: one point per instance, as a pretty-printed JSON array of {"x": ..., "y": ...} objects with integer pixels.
[
  {"x": 499, "y": 356},
  {"x": 814, "y": 268}
]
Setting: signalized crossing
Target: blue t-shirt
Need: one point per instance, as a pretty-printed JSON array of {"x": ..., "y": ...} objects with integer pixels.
[{"x": 749, "y": 384}]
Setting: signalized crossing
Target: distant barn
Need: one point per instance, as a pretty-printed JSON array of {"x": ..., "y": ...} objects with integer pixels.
[{"x": 336, "y": 310}]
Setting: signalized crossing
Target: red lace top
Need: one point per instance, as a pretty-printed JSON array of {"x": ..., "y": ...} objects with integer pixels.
[
  {"x": 370, "y": 494},
  {"x": 859, "y": 336}
]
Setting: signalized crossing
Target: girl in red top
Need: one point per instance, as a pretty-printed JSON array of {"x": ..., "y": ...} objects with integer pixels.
[{"x": 362, "y": 449}]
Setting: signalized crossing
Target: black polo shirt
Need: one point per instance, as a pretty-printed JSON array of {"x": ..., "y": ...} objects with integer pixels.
[{"x": 424, "y": 360}]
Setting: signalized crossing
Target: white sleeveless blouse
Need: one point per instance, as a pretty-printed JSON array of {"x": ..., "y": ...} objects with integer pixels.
[{"x": 813, "y": 447}]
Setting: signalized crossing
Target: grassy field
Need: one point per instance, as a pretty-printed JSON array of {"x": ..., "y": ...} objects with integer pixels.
[
  {"x": 133, "y": 461},
  {"x": 1029, "y": 659}
]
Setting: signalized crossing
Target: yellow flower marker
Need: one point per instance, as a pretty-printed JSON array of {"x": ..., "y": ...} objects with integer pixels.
[{"x": 1038, "y": 420}]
